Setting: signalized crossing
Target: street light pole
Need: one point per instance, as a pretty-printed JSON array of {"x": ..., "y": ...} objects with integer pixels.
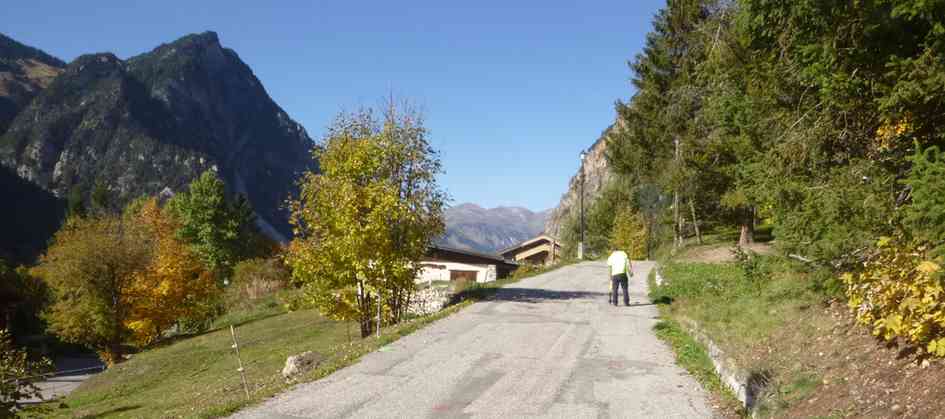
[{"x": 581, "y": 243}]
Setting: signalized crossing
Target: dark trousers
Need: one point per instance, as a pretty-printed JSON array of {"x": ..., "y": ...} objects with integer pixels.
[{"x": 616, "y": 282}]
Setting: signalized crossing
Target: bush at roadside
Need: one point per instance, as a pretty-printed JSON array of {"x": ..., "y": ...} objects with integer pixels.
[
  {"x": 900, "y": 293},
  {"x": 254, "y": 279},
  {"x": 16, "y": 369}
]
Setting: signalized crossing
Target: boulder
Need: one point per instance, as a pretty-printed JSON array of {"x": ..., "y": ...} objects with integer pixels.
[{"x": 298, "y": 364}]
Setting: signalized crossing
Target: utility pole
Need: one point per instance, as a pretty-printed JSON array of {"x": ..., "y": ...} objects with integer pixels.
[{"x": 581, "y": 243}]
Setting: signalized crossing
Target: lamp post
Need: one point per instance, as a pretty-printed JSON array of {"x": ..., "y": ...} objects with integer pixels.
[{"x": 581, "y": 243}]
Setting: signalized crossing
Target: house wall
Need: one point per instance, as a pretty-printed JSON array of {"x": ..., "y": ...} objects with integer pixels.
[
  {"x": 539, "y": 252},
  {"x": 433, "y": 270}
]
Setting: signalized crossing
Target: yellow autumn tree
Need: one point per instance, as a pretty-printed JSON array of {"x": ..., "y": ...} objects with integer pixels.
[
  {"x": 118, "y": 279},
  {"x": 629, "y": 233},
  {"x": 364, "y": 221}
]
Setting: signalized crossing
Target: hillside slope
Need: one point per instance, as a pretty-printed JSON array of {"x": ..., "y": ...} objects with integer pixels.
[{"x": 24, "y": 72}]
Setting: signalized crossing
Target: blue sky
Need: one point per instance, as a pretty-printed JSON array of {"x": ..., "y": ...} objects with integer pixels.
[{"x": 511, "y": 90}]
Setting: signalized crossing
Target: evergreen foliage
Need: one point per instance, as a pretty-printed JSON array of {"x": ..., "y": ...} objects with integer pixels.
[
  {"x": 217, "y": 230},
  {"x": 821, "y": 118},
  {"x": 925, "y": 217}
]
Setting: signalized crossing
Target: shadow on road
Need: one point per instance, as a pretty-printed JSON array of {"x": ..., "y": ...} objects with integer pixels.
[{"x": 536, "y": 295}]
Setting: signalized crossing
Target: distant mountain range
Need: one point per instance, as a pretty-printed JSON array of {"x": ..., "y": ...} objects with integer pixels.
[
  {"x": 471, "y": 227},
  {"x": 139, "y": 126}
]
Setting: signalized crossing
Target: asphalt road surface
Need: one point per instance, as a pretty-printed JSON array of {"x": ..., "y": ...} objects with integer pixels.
[{"x": 549, "y": 346}]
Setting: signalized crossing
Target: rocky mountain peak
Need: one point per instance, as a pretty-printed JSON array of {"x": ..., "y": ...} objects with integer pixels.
[{"x": 155, "y": 122}]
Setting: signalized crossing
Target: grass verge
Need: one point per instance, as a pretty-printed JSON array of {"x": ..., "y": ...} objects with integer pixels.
[
  {"x": 745, "y": 308},
  {"x": 693, "y": 357}
]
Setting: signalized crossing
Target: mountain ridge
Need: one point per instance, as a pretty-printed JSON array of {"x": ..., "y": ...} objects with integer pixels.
[{"x": 489, "y": 230}]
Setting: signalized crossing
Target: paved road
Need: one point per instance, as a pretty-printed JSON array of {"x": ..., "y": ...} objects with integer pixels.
[
  {"x": 74, "y": 370},
  {"x": 549, "y": 346}
]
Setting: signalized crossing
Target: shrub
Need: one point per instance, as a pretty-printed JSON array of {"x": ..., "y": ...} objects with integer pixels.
[
  {"x": 254, "y": 279},
  {"x": 292, "y": 299},
  {"x": 753, "y": 265},
  {"x": 900, "y": 293},
  {"x": 16, "y": 368}
]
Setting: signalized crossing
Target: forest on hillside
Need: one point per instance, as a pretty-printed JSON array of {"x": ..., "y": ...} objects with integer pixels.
[{"x": 822, "y": 120}]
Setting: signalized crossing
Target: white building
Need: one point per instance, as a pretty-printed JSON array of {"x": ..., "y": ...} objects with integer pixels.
[{"x": 448, "y": 264}]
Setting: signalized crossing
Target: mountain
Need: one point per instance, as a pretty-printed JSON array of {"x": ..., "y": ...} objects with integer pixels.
[
  {"x": 596, "y": 172},
  {"x": 24, "y": 72},
  {"x": 156, "y": 121},
  {"x": 29, "y": 216},
  {"x": 471, "y": 227}
]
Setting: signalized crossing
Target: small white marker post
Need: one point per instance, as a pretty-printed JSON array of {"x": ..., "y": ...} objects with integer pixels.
[
  {"x": 236, "y": 346},
  {"x": 378, "y": 315}
]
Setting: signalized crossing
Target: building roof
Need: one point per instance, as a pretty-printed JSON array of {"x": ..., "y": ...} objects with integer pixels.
[
  {"x": 530, "y": 242},
  {"x": 493, "y": 257}
]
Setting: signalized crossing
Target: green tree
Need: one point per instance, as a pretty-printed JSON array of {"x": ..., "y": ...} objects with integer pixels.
[
  {"x": 657, "y": 140},
  {"x": 364, "y": 222},
  {"x": 925, "y": 216},
  {"x": 101, "y": 199},
  {"x": 75, "y": 204},
  {"x": 598, "y": 221},
  {"x": 30, "y": 295},
  {"x": 216, "y": 229}
]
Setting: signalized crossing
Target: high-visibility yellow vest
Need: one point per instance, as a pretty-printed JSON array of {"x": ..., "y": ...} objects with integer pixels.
[{"x": 619, "y": 263}]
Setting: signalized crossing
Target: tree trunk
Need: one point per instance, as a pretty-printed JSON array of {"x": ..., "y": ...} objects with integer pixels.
[
  {"x": 364, "y": 312},
  {"x": 111, "y": 355},
  {"x": 365, "y": 326},
  {"x": 747, "y": 235},
  {"x": 677, "y": 223},
  {"x": 677, "y": 219},
  {"x": 695, "y": 222}
]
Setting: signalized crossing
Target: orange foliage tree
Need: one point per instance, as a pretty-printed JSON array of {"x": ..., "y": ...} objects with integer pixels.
[
  {"x": 173, "y": 285},
  {"x": 121, "y": 279}
]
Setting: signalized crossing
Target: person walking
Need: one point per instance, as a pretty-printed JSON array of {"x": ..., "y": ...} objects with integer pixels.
[{"x": 620, "y": 273}]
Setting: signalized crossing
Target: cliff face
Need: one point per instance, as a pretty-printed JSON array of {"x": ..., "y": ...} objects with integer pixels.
[
  {"x": 157, "y": 121},
  {"x": 596, "y": 173}
]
